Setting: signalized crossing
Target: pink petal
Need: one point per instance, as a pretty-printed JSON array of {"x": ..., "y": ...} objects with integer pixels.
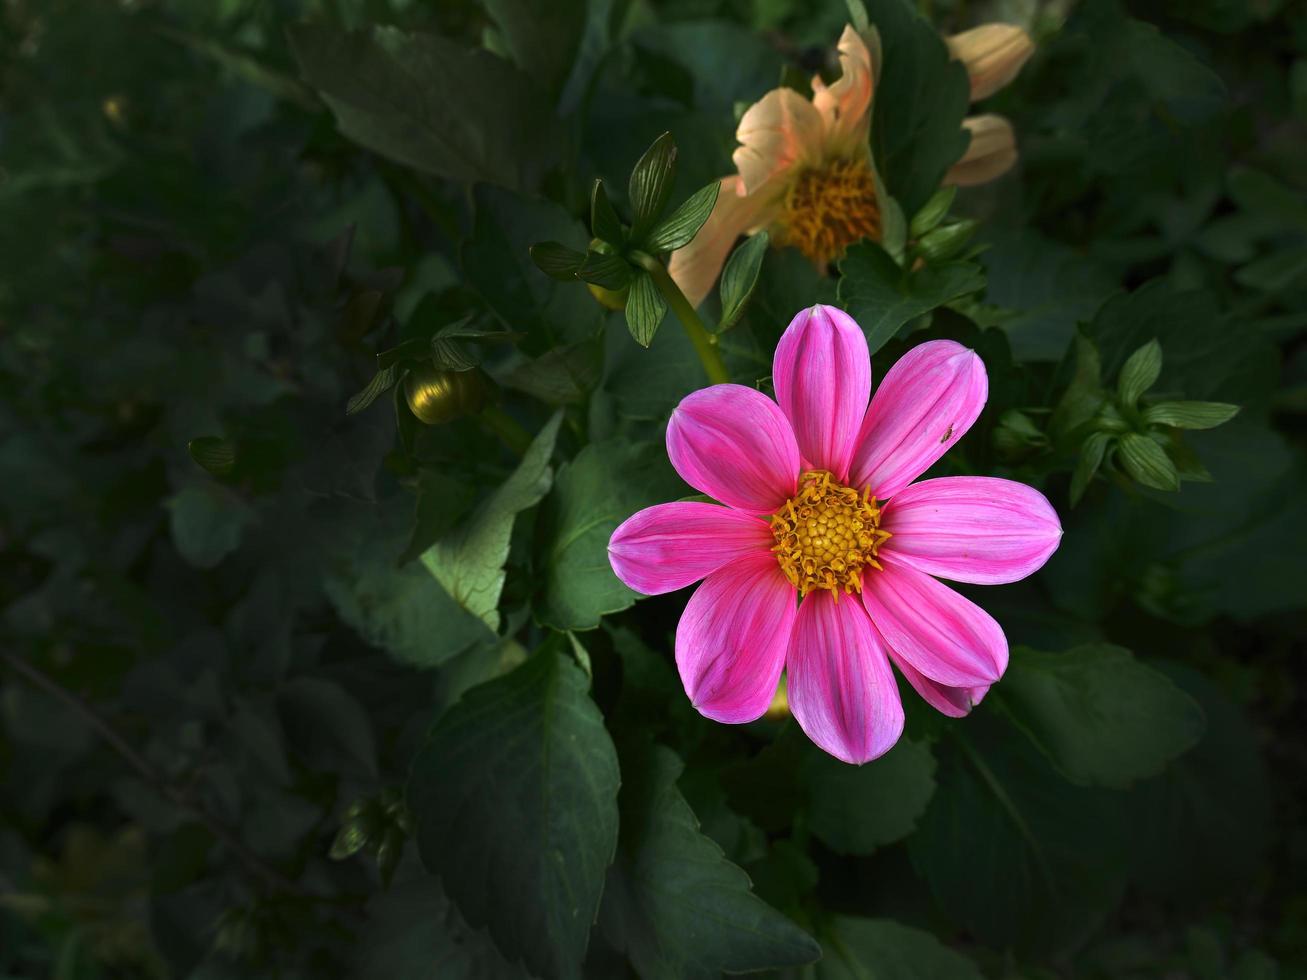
[
  {"x": 926, "y": 403},
  {"x": 972, "y": 529},
  {"x": 841, "y": 688},
  {"x": 731, "y": 640},
  {"x": 933, "y": 629},
  {"x": 667, "y": 547},
  {"x": 952, "y": 701},
  {"x": 735, "y": 444},
  {"x": 822, "y": 373}
]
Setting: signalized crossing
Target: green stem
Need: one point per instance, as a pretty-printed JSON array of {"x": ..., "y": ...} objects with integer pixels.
[
  {"x": 506, "y": 427},
  {"x": 705, "y": 344}
]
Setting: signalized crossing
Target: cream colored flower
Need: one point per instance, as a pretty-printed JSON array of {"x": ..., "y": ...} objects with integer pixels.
[{"x": 804, "y": 170}]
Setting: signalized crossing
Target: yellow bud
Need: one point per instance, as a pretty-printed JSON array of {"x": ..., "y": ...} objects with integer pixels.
[
  {"x": 613, "y": 299},
  {"x": 436, "y": 396},
  {"x": 992, "y": 54},
  {"x": 114, "y": 108},
  {"x": 992, "y": 152}
]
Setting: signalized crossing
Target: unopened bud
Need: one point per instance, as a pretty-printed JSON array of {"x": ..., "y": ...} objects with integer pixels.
[{"x": 992, "y": 55}]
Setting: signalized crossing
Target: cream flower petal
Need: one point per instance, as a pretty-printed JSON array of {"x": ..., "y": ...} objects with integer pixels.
[
  {"x": 992, "y": 152},
  {"x": 992, "y": 54},
  {"x": 694, "y": 268},
  {"x": 845, "y": 106},
  {"x": 778, "y": 133}
]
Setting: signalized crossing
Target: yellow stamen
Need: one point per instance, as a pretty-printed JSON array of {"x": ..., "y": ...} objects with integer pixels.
[
  {"x": 829, "y": 208},
  {"x": 827, "y": 534}
]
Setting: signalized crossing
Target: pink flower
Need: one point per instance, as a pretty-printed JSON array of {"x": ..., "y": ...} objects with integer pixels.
[{"x": 820, "y": 562}]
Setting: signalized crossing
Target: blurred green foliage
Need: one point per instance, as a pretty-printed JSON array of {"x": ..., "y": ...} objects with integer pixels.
[{"x": 293, "y": 685}]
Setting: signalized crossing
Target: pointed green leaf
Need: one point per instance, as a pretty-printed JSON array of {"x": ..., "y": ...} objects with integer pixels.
[
  {"x": 515, "y": 799},
  {"x": 673, "y": 903},
  {"x": 679, "y": 228},
  {"x": 381, "y": 383},
  {"x": 1091, "y": 458},
  {"x": 1139, "y": 373},
  {"x": 606, "y": 270},
  {"x": 469, "y": 560},
  {"x": 215, "y": 456},
  {"x": 1145, "y": 462},
  {"x": 645, "y": 308},
  {"x": 933, "y": 211},
  {"x": 651, "y": 184},
  {"x": 946, "y": 241},
  {"x": 1190, "y": 415},
  {"x": 604, "y": 223},
  {"x": 557, "y": 261},
  {"x": 740, "y": 277},
  {"x": 1084, "y": 395}
]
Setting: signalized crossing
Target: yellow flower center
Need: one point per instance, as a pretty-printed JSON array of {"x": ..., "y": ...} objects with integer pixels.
[
  {"x": 829, "y": 208},
  {"x": 826, "y": 534}
]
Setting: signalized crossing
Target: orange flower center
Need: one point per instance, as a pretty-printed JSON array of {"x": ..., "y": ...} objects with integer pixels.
[
  {"x": 827, "y": 209},
  {"x": 826, "y": 534}
]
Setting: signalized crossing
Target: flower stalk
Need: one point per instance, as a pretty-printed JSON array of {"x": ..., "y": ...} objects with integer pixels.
[{"x": 705, "y": 344}]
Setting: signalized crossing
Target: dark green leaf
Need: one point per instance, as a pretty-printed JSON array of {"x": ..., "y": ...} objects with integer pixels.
[
  {"x": 604, "y": 485},
  {"x": 402, "y": 610},
  {"x": 207, "y": 523},
  {"x": 414, "y": 932},
  {"x": 885, "y": 950},
  {"x": 1056, "y": 847},
  {"x": 1201, "y": 828},
  {"x": 1205, "y": 359},
  {"x": 542, "y": 38},
  {"x": 856, "y": 809},
  {"x": 651, "y": 184},
  {"x": 215, "y": 456},
  {"x": 679, "y": 228},
  {"x": 673, "y": 903},
  {"x": 381, "y": 383},
  {"x": 740, "y": 277},
  {"x": 469, "y": 561},
  {"x": 352, "y": 837},
  {"x": 515, "y": 797},
  {"x": 883, "y": 297},
  {"x": 606, "y": 270},
  {"x": 563, "y": 376},
  {"x": 645, "y": 308},
  {"x": 1101, "y": 717},
  {"x": 1087, "y": 464},
  {"x": 557, "y": 260},
  {"x": 498, "y": 265},
  {"x": 921, "y": 97},
  {"x": 393, "y": 92},
  {"x": 604, "y": 223}
]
